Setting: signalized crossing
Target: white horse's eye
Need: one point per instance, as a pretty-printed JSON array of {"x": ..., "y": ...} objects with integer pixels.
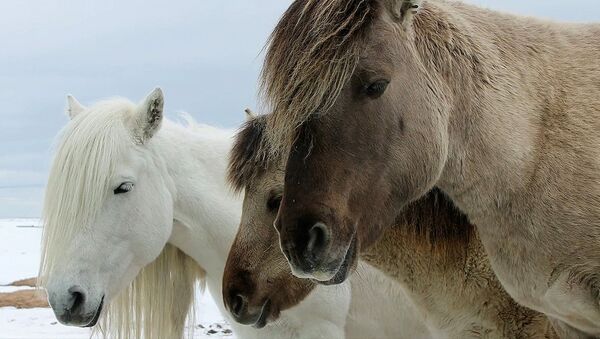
[{"x": 124, "y": 188}]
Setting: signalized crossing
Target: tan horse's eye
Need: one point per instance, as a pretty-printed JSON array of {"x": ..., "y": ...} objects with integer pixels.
[
  {"x": 376, "y": 89},
  {"x": 273, "y": 203}
]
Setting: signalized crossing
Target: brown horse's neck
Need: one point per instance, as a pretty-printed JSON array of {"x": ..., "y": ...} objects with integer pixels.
[
  {"x": 429, "y": 236},
  {"x": 435, "y": 254}
]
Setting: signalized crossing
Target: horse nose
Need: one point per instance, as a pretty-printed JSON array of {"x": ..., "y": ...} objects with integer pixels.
[
  {"x": 237, "y": 303},
  {"x": 76, "y": 300},
  {"x": 318, "y": 239},
  {"x": 312, "y": 242}
]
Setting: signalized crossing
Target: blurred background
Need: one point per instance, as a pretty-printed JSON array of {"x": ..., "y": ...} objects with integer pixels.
[{"x": 206, "y": 55}]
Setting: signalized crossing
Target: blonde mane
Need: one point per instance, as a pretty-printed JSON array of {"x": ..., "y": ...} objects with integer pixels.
[
  {"x": 311, "y": 55},
  {"x": 161, "y": 297},
  {"x": 158, "y": 303}
]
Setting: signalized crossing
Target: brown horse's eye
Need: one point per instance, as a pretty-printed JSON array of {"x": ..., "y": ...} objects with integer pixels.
[
  {"x": 376, "y": 89},
  {"x": 273, "y": 203}
]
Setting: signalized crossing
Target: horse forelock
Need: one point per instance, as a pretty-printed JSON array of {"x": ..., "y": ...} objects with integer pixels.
[
  {"x": 249, "y": 157},
  {"x": 85, "y": 159},
  {"x": 311, "y": 55}
]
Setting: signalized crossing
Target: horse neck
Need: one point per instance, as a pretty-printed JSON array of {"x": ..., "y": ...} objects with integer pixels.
[
  {"x": 206, "y": 213},
  {"x": 497, "y": 71},
  {"x": 433, "y": 245}
]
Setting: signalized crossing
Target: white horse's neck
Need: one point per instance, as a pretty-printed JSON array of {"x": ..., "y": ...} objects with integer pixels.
[{"x": 206, "y": 213}]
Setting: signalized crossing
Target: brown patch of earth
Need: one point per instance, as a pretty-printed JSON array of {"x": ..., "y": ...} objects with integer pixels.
[
  {"x": 31, "y": 282},
  {"x": 29, "y": 298}
]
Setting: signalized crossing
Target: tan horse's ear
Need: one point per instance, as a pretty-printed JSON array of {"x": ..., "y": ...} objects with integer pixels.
[{"x": 403, "y": 10}]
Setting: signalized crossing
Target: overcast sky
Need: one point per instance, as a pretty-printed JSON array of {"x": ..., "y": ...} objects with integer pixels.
[{"x": 206, "y": 56}]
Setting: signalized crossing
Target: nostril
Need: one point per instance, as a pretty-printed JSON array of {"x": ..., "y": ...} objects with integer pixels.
[
  {"x": 77, "y": 299},
  {"x": 238, "y": 304},
  {"x": 318, "y": 237}
]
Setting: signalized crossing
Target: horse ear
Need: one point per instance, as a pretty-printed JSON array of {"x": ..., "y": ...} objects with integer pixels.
[
  {"x": 73, "y": 107},
  {"x": 149, "y": 116},
  {"x": 403, "y": 10},
  {"x": 249, "y": 114}
]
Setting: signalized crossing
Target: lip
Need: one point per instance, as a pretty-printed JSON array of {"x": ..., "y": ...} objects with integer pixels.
[
  {"x": 97, "y": 315},
  {"x": 344, "y": 268},
  {"x": 264, "y": 315}
]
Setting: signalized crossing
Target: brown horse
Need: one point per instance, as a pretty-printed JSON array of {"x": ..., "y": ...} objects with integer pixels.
[
  {"x": 432, "y": 252},
  {"x": 378, "y": 101},
  {"x": 257, "y": 273}
]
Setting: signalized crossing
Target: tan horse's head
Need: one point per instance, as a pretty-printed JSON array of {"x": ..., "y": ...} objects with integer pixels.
[
  {"x": 362, "y": 120},
  {"x": 257, "y": 282}
]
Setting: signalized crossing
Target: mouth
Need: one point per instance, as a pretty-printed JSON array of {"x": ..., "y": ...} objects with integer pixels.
[
  {"x": 343, "y": 270},
  {"x": 264, "y": 315},
  {"x": 97, "y": 315}
]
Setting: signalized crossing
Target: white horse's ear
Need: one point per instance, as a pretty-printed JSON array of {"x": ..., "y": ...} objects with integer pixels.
[
  {"x": 403, "y": 10},
  {"x": 73, "y": 107},
  {"x": 149, "y": 116},
  {"x": 249, "y": 114}
]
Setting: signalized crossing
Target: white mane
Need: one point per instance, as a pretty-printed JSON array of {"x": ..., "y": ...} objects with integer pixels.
[
  {"x": 160, "y": 298},
  {"x": 77, "y": 185}
]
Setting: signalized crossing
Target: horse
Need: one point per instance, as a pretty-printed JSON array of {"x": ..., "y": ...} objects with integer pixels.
[
  {"x": 137, "y": 215},
  {"x": 256, "y": 273},
  {"x": 376, "y": 102},
  {"x": 432, "y": 252}
]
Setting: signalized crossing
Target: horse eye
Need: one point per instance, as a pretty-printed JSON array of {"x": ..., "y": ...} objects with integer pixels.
[
  {"x": 124, "y": 188},
  {"x": 376, "y": 89},
  {"x": 273, "y": 203}
]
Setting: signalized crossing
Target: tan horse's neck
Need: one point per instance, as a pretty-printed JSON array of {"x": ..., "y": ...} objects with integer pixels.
[
  {"x": 435, "y": 254},
  {"x": 523, "y": 150},
  {"x": 509, "y": 81}
]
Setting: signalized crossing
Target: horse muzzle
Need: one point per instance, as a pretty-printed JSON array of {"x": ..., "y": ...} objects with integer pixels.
[{"x": 74, "y": 308}]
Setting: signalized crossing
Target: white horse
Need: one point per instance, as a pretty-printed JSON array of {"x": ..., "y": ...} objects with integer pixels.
[{"x": 136, "y": 215}]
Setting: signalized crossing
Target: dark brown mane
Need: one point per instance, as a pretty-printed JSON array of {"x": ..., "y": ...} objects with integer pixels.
[
  {"x": 435, "y": 221},
  {"x": 311, "y": 54},
  {"x": 249, "y": 156}
]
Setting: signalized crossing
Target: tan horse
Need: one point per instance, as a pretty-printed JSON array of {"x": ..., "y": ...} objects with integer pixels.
[
  {"x": 433, "y": 253},
  {"x": 379, "y": 101}
]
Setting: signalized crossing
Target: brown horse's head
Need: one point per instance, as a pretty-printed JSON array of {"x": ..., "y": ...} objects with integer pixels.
[
  {"x": 361, "y": 119},
  {"x": 257, "y": 282}
]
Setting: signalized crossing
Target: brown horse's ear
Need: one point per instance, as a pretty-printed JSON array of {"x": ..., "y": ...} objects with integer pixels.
[
  {"x": 403, "y": 10},
  {"x": 249, "y": 114}
]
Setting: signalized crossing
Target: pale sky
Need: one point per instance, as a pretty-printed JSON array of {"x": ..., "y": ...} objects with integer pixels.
[{"x": 206, "y": 56}]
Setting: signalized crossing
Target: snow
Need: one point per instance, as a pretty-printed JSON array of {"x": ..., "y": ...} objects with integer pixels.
[{"x": 19, "y": 257}]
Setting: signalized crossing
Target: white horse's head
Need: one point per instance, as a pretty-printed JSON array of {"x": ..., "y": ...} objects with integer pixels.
[{"x": 108, "y": 209}]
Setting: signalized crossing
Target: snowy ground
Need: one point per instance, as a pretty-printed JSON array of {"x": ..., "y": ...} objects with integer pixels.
[{"x": 19, "y": 255}]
